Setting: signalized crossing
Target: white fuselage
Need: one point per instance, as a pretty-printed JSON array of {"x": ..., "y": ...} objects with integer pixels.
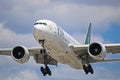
[{"x": 57, "y": 42}]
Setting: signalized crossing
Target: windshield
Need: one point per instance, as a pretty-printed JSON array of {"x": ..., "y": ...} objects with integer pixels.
[{"x": 41, "y": 23}]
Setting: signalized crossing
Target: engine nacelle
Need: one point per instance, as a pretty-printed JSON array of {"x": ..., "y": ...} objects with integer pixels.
[
  {"x": 97, "y": 51},
  {"x": 20, "y": 54}
]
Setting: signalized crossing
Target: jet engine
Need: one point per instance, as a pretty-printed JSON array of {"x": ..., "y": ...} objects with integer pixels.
[
  {"x": 20, "y": 54},
  {"x": 97, "y": 51}
]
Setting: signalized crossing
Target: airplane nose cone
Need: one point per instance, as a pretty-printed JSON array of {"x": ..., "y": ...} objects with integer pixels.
[
  {"x": 38, "y": 33},
  {"x": 41, "y": 28},
  {"x": 36, "y": 27}
]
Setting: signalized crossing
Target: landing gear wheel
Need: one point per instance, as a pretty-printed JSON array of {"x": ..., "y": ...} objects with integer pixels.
[
  {"x": 88, "y": 69},
  {"x": 50, "y": 73},
  {"x": 85, "y": 69},
  {"x": 42, "y": 51},
  {"x": 43, "y": 71},
  {"x": 46, "y": 71}
]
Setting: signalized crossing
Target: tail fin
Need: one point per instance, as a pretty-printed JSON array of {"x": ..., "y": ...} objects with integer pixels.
[{"x": 88, "y": 35}]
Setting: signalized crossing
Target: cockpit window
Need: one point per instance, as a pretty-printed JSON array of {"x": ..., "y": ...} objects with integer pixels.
[
  {"x": 35, "y": 23},
  {"x": 41, "y": 23}
]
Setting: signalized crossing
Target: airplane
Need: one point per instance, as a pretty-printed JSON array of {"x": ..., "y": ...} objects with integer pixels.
[{"x": 57, "y": 46}]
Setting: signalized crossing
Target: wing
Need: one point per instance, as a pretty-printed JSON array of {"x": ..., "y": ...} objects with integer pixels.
[
  {"x": 83, "y": 50},
  {"x": 35, "y": 52},
  {"x": 6, "y": 51},
  {"x": 111, "y": 48}
]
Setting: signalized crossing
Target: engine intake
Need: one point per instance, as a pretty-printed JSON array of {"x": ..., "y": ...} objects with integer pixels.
[
  {"x": 20, "y": 54},
  {"x": 97, "y": 51}
]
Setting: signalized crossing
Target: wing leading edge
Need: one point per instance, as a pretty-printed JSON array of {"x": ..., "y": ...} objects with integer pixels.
[{"x": 6, "y": 51}]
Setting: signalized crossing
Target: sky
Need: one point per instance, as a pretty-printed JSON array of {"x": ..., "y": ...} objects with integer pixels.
[{"x": 16, "y": 25}]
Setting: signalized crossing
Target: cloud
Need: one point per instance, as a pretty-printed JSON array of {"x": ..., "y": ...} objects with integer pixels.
[
  {"x": 94, "y": 38},
  {"x": 24, "y": 75},
  {"x": 66, "y": 14},
  {"x": 65, "y": 72},
  {"x": 11, "y": 70},
  {"x": 9, "y": 38},
  {"x": 93, "y": 2}
]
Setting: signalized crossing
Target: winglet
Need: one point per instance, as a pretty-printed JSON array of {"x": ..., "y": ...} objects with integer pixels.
[{"x": 88, "y": 35}]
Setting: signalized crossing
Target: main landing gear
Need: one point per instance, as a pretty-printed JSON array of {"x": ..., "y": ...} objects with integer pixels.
[
  {"x": 86, "y": 64},
  {"x": 45, "y": 70},
  {"x": 88, "y": 69}
]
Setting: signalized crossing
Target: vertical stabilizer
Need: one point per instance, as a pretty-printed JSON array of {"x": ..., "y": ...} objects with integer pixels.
[{"x": 88, "y": 35}]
